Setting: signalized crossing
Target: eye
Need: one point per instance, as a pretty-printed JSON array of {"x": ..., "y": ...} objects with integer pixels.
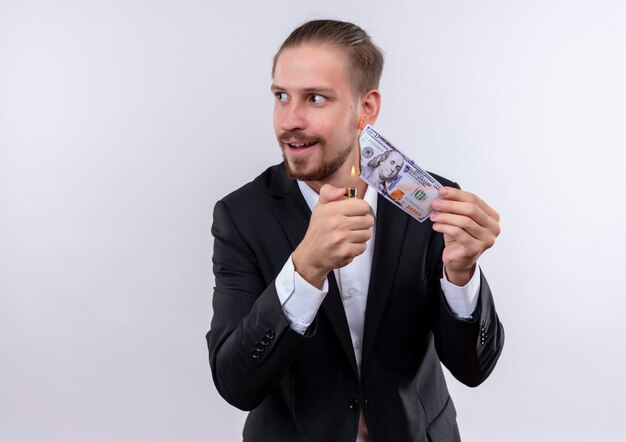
[
  {"x": 281, "y": 96},
  {"x": 317, "y": 99}
]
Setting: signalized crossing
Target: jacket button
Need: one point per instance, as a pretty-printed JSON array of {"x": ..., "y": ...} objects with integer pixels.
[
  {"x": 353, "y": 404},
  {"x": 265, "y": 341},
  {"x": 259, "y": 347},
  {"x": 270, "y": 333},
  {"x": 256, "y": 354}
]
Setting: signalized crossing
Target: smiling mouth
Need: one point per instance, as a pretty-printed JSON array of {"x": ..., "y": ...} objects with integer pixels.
[{"x": 298, "y": 146}]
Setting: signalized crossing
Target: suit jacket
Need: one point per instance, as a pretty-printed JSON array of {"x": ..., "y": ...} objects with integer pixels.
[{"x": 306, "y": 387}]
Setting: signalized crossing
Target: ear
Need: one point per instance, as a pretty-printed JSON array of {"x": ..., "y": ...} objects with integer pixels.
[{"x": 370, "y": 107}]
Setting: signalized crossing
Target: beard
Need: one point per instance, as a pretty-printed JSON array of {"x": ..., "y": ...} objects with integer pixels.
[{"x": 325, "y": 169}]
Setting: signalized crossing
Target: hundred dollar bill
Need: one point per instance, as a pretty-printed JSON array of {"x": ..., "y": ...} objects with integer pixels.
[{"x": 395, "y": 176}]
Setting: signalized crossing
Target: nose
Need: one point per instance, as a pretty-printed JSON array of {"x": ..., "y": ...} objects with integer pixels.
[{"x": 291, "y": 116}]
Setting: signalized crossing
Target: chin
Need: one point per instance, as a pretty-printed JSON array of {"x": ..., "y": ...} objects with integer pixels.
[
  {"x": 294, "y": 171},
  {"x": 300, "y": 173}
]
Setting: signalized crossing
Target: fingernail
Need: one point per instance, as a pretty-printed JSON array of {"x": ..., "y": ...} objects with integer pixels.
[
  {"x": 436, "y": 204},
  {"x": 444, "y": 191}
]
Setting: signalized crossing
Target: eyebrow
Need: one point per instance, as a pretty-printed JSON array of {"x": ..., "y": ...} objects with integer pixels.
[{"x": 306, "y": 90}]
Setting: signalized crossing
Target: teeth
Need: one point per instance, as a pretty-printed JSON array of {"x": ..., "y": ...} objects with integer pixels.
[{"x": 301, "y": 145}]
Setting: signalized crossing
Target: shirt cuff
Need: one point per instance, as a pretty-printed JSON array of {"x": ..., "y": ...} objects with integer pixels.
[
  {"x": 299, "y": 299},
  {"x": 462, "y": 300}
]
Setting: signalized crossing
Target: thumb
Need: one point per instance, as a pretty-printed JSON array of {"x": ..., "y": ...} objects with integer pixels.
[{"x": 330, "y": 193}]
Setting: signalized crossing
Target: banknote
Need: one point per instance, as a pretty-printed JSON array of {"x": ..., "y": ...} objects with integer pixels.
[{"x": 395, "y": 176}]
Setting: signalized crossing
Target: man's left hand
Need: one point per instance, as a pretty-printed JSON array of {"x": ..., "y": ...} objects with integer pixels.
[{"x": 469, "y": 226}]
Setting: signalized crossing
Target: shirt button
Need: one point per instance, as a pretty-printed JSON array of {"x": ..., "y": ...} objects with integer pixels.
[
  {"x": 357, "y": 345},
  {"x": 353, "y": 404},
  {"x": 350, "y": 293}
]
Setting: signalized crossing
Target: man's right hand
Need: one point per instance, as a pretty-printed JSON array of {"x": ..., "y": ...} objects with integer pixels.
[{"x": 338, "y": 231}]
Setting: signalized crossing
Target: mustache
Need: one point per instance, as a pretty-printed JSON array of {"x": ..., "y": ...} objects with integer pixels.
[{"x": 299, "y": 137}]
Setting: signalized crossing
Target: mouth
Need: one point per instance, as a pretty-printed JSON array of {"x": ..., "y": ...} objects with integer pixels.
[{"x": 300, "y": 147}]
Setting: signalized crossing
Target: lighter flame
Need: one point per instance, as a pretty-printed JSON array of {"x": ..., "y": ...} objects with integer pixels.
[{"x": 353, "y": 173}]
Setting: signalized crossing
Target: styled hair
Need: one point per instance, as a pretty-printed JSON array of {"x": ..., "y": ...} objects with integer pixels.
[{"x": 365, "y": 58}]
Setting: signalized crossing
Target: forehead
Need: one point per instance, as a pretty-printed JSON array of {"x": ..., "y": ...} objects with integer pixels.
[{"x": 312, "y": 65}]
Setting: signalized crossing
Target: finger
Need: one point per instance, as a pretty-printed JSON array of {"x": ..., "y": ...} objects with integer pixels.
[
  {"x": 482, "y": 233},
  {"x": 346, "y": 238},
  {"x": 466, "y": 245},
  {"x": 329, "y": 193},
  {"x": 354, "y": 250},
  {"x": 466, "y": 223},
  {"x": 352, "y": 207},
  {"x": 358, "y": 236},
  {"x": 364, "y": 222},
  {"x": 355, "y": 207},
  {"x": 339, "y": 223},
  {"x": 349, "y": 252},
  {"x": 347, "y": 230},
  {"x": 454, "y": 194},
  {"x": 359, "y": 249},
  {"x": 467, "y": 209},
  {"x": 473, "y": 246}
]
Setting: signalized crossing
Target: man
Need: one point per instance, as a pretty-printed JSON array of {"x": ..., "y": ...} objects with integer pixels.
[
  {"x": 383, "y": 168},
  {"x": 332, "y": 315}
]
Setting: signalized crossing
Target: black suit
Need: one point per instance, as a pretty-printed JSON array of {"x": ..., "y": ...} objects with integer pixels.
[{"x": 306, "y": 388}]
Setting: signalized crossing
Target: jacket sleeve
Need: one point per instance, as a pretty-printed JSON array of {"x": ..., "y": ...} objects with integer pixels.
[
  {"x": 250, "y": 343},
  {"x": 469, "y": 348}
]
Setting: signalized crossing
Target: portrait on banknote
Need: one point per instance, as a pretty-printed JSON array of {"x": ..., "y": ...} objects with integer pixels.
[
  {"x": 382, "y": 169},
  {"x": 395, "y": 176}
]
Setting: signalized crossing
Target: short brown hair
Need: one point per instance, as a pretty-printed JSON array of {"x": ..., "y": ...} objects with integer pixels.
[{"x": 365, "y": 58}]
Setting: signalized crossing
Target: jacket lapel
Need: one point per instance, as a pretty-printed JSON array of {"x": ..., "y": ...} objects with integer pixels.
[
  {"x": 293, "y": 215},
  {"x": 290, "y": 208},
  {"x": 333, "y": 307},
  {"x": 391, "y": 224}
]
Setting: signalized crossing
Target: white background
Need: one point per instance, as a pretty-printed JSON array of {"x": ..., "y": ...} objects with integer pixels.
[{"x": 123, "y": 121}]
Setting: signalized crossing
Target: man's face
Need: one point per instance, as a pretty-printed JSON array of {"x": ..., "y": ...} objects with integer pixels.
[
  {"x": 390, "y": 167},
  {"x": 315, "y": 112}
]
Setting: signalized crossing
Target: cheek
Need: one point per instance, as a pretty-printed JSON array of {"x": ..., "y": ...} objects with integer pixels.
[
  {"x": 321, "y": 124},
  {"x": 343, "y": 123}
]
